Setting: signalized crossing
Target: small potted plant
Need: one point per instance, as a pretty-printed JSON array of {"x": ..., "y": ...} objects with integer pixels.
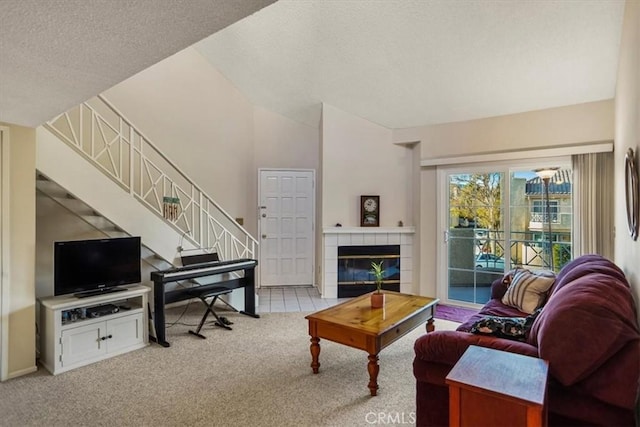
[{"x": 377, "y": 298}]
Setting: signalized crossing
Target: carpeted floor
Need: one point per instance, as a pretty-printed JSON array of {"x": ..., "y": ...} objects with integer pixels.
[{"x": 256, "y": 375}]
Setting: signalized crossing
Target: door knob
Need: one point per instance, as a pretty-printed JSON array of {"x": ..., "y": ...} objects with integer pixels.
[
  {"x": 264, "y": 215},
  {"x": 264, "y": 236}
]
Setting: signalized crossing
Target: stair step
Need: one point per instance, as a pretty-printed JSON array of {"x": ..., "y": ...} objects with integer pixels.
[
  {"x": 60, "y": 195},
  {"x": 157, "y": 263},
  {"x": 76, "y": 206},
  {"x": 50, "y": 188},
  {"x": 100, "y": 222}
]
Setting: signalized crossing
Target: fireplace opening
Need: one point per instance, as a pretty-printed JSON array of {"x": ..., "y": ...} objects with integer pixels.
[{"x": 354, "y": 269}]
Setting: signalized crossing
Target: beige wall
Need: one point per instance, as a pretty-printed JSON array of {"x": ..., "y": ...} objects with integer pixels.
[
  {"x": 20, "y": 318},
  {"x": 627, "y": 131},
  {"x": 55, "y": 223},
  {"x": 358, "y": 158},
  {"x": 195, "y": 116},
  {"x": 537, "y": 129},
  {"x": 187, "y": 108},
  {"x": 283, "y": 143}
]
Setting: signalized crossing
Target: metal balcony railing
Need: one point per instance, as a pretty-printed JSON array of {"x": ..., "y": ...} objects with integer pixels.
[
  {"x": 524, "y": 252},
  {"x": 543, "y": 217},
  {"x": 100, "y": 133}
]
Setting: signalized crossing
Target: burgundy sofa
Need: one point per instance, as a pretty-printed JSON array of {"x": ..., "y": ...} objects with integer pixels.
[{"x": 587, "y": 331}]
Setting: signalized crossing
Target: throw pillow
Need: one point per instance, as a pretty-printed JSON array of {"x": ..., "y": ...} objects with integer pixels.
[
  {"x": 515, "y": 328},
  {"x": 528, "y": 289}
]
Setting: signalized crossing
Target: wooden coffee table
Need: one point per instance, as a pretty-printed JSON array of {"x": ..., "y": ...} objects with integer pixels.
[{"x": 356, "y": 324}]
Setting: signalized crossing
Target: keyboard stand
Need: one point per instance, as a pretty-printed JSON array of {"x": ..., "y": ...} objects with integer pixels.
[
  {"x": 222, "y": 322},
  {"x": 228, "y": 305},
  {"x": 162, "y": 296}
]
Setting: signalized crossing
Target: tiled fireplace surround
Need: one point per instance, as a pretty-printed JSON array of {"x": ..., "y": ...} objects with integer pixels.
[{"x": 366, "y": 236}]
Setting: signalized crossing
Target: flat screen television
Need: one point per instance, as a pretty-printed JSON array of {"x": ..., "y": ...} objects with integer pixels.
[{"x": 90, "y": 267}]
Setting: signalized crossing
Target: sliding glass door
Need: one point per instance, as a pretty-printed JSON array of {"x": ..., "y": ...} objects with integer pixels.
[
  {"x": 475, "y": 234},
  {"x": 497, "y": 218}
]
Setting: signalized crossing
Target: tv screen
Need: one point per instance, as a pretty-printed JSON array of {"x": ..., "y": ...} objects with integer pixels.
[{"x": 87, "y": 267}]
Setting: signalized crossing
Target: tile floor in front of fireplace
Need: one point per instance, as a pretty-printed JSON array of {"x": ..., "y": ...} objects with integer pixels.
[
  {"x": 293, "y": 298},
  {"x": 279, "y": 299}
]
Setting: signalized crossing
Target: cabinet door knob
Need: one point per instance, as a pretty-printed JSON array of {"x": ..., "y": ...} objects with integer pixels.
[
  {"x": 103, "y": 338},
  {"x": 110, "y": 336}
]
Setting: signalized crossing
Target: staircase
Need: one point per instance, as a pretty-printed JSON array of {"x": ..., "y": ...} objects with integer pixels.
[
  {"x": 47, "y": 188},
  {"x": 93, "y": 162}
]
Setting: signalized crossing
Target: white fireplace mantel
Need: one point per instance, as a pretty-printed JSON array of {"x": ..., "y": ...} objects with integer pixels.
[
  {"x": 365, "y": 236},
  {"x": 367, "y": 230}
]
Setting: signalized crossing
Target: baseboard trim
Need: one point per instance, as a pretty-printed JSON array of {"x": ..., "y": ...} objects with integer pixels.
[{"x": 22, "y": 372}]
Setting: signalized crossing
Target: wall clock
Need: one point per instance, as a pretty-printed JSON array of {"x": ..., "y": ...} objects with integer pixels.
[{"x": 369, "y": 211}]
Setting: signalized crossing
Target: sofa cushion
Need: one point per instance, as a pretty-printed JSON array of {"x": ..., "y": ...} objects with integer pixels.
[
  {"x": 494, "y": 307},
  {"x": 505, "y": 327},
  {"x": 513, "y": 328},
  {"x": 447, "y": 347},
  {"x": 583, "y": 324},
  {"x": 583, "y": 265},
  {"x": 528, "y": 289},
  {"x": 612, "y": 381}
]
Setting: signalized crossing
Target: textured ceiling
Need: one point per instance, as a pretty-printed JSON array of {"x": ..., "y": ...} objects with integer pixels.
[
  {"x": 404, "y": 63},
  {"x": 398, "y": 63},
  {"x": 54, "y": 54}
]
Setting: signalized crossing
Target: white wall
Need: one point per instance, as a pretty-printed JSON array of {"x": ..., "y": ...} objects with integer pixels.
[
  {"x": 537, "y": 129},
  {"x": 627, "y": 132},
  {"x": 359, "y": 158},
  {"x": 197, "y": 118}
]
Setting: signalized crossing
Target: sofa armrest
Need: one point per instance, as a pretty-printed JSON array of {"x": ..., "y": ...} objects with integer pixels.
[{"x": 446, "y": 347}]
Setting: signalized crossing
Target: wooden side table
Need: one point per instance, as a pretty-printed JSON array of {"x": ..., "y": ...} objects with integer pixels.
[{"x": 489, "y": 387}]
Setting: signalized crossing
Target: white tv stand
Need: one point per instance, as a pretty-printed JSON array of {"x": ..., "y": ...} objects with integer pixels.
[{"x": 71, "y": 338}]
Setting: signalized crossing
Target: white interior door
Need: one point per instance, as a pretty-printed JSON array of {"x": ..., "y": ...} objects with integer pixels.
[{"x": 286, "y": 221}]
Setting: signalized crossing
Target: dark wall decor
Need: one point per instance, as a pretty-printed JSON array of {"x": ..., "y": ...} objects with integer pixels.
[
  {"x": 631, "y": 192},
  {"x": 369, "y": 211}
]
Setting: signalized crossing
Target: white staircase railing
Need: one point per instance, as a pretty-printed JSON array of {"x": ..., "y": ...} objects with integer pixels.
[{"x": 111, "y": 143}]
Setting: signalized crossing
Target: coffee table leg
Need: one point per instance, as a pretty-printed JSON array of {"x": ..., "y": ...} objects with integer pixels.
[
  {"x": 373, "y": 368},
  {"x": 315, "y": 353},
  {"x": 430, "y": 325}
]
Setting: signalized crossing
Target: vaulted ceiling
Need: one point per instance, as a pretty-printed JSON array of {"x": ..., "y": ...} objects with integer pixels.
[
  {"x": 56, "y": 54},
  {"x": 404, "y": 63},
  {"x": 398, "y": 63}
]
